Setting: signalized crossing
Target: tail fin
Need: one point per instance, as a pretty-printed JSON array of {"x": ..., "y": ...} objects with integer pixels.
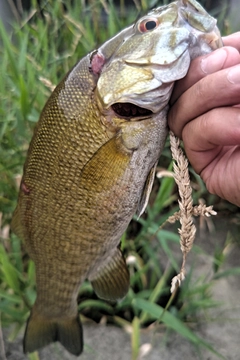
[{"x": 41, "y": 331}]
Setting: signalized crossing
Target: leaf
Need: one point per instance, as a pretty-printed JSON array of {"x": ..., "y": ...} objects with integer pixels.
[
  {"x": 157, "y": 292},
  {"x": 165, "y": 246},
  {"x": 9, "y": 272},
  {"x": 98, "y": 304},
  {"x": 9, "y": 49},
  {"x": 15, "y": 299},
  {"x": 229, "y": 272},
  {"x": 172, "y": 322},
  {"x": 34, "y": 356},
  {"x": 135, "y": 337}
]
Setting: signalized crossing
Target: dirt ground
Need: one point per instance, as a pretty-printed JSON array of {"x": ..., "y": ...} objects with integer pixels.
[{"x": 221, "y": 330}]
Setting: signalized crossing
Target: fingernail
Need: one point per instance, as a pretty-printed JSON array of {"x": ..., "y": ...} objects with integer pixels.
[
  {"x": 234, "y": 75},
  {"x": 214, "y": 61}
]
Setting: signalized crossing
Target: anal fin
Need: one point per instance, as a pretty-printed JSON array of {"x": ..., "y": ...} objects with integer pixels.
[{"x": 111, "y": 281}]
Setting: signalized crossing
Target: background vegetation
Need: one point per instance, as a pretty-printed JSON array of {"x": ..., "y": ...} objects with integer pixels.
[{"x": 44, "y": 43}]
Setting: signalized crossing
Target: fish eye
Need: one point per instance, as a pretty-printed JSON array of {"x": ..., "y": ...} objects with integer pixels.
[{"x": 147, "y": 25}]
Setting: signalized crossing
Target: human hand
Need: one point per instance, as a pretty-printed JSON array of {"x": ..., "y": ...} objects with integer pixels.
[{"x": 205, "y": 113}]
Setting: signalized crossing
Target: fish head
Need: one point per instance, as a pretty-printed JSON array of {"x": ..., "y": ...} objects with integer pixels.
[{"x": 138, "y": 67}]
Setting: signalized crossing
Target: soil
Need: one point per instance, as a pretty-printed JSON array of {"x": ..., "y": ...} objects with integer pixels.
[{"x": 220, "y": 327}]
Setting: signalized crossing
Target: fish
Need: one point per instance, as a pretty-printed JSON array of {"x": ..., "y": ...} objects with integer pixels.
[{"x": 91, "y": 163}]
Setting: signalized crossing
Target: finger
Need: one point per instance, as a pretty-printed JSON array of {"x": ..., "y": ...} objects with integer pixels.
[
  {"x": 205, "y": 136},
  {"x": 232, "y": 40},
  {"x": 222, "y": 175},
  {"x": 215, "y": 90},
  {"x": 202, "y": 66}
]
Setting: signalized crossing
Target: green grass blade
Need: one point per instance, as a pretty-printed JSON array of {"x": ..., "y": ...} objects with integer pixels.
[
  {"x": 34, "y": 356},
  {"x": 172, "y": 322},
  {"x": 156, "y": 293},
  {"x": 135, "y": 338},
  {"x": 230, "y": 272},
  {"x": 8, "y": 270},
  {"x": 13, "y": 60},
  {"x": 16, "y": 299},
  {"x": 99, "y": 304}
]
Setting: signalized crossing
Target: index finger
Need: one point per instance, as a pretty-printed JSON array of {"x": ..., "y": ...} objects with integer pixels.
[
  {"x": 216, "y": 90},
  {"x": 202, "y": 66},
  {"x": 232, "y": 40},
  {"x": 218, "y": 62}
]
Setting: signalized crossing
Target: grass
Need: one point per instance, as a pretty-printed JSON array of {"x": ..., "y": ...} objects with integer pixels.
[{"x": 35, "y": 56}]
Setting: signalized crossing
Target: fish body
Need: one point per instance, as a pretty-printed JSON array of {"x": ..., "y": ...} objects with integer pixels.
[{"x": 91, "y": 163}]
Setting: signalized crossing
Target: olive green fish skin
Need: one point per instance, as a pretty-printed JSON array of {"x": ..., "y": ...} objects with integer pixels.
[
  {"x": 90, "y": 164},
  {"x": 72, "y": 217}
]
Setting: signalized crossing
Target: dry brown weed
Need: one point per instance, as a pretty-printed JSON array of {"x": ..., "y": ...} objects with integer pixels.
[{"x": 186, "y": 209}]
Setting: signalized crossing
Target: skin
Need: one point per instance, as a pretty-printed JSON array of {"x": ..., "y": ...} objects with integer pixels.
[{"x": 205, "y": 114}]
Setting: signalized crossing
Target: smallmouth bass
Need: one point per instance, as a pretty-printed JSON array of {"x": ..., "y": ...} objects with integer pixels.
[{"x": 91, "y": 163}]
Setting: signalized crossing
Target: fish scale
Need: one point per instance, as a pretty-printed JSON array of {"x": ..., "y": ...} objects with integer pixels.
[{"x": 92, "y": 159}]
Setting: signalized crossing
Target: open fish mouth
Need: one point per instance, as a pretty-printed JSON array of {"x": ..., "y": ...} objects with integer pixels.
[
  {"x": 165, "y": 41},
  {"x": 127, "y": 109}
]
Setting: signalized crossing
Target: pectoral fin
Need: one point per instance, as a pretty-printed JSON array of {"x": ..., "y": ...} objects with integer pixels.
[
  {"x": 106, "y": 167},
  {"x": 146, "y": 191},
  {"x": 111, "y": 281}
]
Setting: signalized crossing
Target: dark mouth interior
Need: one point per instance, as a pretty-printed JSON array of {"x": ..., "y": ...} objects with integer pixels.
[{"x": 130, "y": 110}]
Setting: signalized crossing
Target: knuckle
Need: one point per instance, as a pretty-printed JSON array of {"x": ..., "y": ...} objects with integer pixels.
[{"x": 201, "y": 89}]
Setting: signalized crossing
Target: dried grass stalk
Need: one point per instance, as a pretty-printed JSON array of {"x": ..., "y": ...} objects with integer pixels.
[{"x": 187, "y": 210}]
